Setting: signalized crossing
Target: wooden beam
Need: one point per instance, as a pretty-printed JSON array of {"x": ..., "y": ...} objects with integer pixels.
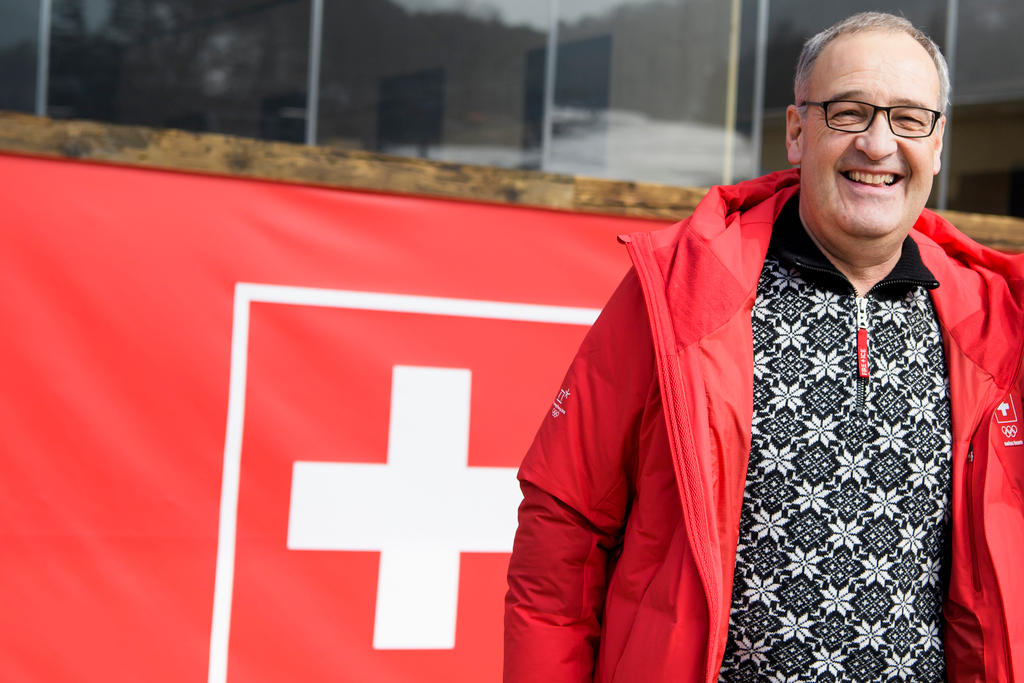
[
  {"x": 326, "y": 166},
  {"x": 999, "y": 232}
]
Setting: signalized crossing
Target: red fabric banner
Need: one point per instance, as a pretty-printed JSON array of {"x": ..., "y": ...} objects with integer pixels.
[{"x": 264, "y": 432}]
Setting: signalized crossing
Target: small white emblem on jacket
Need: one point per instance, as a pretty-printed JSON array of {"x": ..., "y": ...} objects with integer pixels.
[
  {"x": 1007, "y": 421},
  {"x": 558, "y": 407}
]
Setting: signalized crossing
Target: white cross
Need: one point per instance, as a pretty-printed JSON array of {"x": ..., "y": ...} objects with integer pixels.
[
  {"x": 1004, "y": 408},
  {"x": 420, "y": 510}
]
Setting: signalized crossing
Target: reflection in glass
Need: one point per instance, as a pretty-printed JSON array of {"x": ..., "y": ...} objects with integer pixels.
[
  {"x": 579, "y": 100},
  {"x": 230, "y": 66},
  {"x": 436, "y": 79},
  {"x": 627, "y": 89},
  {"x": 19, "y": 46},
  {"x": 639, "y": 88},
  {"x": 666, "y": 119},
  {"x": 631, "y": 89}
]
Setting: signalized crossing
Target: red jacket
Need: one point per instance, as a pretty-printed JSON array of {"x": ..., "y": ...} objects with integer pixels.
[{"x": 623, "y": 562}]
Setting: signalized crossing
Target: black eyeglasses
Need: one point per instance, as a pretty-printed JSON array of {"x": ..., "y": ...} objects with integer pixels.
[{"x": 852, "y": 116}]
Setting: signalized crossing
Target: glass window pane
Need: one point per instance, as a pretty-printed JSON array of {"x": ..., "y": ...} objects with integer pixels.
[
  {"x": 441, "y": 79},
  {"x": 19, "y": 47},
  {"x": 467, "y": 82},
  {"x": 987, "y": 149},
  {"x": 228, "y": 66},
  {"x": 642, "y": 91}
]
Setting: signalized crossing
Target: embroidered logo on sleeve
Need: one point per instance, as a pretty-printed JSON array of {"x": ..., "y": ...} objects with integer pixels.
[
  {"x": 1009, "y": 423},
  {"x": 558, "y": 406}
]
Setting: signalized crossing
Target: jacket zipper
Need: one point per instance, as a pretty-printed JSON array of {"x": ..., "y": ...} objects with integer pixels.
[
  {"x": 971, "y": 533},
  {"x": 862, "y": 352},
  {"x": 1006, "y": 626},
  {"x": 975, "y": 552},
  {"x": 696, "y": 519}
]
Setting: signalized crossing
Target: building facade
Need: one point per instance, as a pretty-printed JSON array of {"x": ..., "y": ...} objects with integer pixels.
[{"x": 681, "y": 92}]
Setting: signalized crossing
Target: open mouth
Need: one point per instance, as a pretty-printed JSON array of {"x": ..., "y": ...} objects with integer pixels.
[{"x": 874, "y": 179}]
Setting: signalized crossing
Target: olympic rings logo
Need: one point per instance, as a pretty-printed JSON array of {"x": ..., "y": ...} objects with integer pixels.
[{"x": 1009, "y": 431}]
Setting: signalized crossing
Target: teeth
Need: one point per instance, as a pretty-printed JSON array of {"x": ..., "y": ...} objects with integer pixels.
[{"x": 872, "y": 178}]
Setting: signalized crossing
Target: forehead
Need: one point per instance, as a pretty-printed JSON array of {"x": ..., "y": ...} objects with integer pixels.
[{"x": 880, "y": 67}]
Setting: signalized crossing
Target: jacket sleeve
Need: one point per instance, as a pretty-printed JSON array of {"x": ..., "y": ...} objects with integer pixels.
[{"x": 577, "y": 481}]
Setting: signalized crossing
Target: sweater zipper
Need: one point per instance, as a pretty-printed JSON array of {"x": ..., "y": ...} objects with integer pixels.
[{"x": 863, "y": 370}]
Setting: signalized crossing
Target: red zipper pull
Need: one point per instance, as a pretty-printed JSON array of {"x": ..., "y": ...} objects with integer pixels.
[{"x": 862, "y": 337}]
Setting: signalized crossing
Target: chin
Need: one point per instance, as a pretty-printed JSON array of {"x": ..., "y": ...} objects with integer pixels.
[
  {"x": 863, "y": 222},
  {"x": 869, "y": 229}
]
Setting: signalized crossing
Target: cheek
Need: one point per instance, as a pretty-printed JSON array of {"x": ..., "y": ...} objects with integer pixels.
[
  {"x": 924, "y": 163},
  {"x": 824, "y": 151}
]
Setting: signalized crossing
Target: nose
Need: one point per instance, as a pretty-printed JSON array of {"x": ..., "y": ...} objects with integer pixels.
[{"x": 878, "y": 141}]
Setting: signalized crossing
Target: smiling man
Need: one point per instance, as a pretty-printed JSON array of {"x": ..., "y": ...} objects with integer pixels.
[
  {"x": 782, "y": 455},
  {"x": 861, "y": 193}
]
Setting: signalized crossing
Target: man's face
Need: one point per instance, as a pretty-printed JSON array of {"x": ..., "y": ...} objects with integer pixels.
[{"x": 841, "y": 199}]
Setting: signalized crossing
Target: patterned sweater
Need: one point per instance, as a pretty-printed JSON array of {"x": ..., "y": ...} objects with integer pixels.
[{"x": 844, "y": 526}]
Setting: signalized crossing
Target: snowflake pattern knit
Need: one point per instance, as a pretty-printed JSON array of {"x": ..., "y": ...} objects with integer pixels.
[{"x": 844, "y": 522}]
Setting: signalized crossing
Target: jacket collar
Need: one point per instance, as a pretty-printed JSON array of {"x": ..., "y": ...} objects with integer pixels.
[{"x": 709, "y": 264}]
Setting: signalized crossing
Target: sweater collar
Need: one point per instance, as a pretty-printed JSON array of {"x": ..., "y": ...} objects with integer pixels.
[{"x": 794, "y": 247}]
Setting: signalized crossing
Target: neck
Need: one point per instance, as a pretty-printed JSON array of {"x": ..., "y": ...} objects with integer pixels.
[
  {"x": 864, "y": 262},
  {"x": 864, "y": 277}
]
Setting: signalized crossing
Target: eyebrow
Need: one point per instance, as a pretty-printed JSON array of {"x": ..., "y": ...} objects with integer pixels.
[{"x": 859, "y": 96}]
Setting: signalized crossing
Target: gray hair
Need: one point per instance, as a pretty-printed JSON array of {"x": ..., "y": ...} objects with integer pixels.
[{"x": 868, "y": 21}]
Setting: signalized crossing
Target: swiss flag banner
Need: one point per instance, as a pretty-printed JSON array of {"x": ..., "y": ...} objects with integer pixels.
[{"x": 264, "y": 432}]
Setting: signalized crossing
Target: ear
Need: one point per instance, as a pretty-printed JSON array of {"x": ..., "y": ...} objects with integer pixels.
[
  {"x": 794, "y": 135},
  {"x": 940, "y": 128}
]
